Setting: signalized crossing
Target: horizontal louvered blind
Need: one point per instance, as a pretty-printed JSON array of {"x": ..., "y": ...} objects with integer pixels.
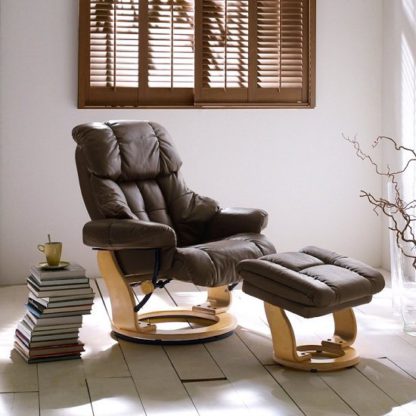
[
  {"x": 283, "y": 55},
  {"x": 269, "y": 44},
  {"x": 196, "y": 53},
  {"x": 171, "y": 43},
  {"x": 279, "y": 44},
  {"x": 254, "y": 51},
  {"x": 225, "y": 44},
  {"x": 114, "y": 43},
  {"x": 291, "y": 44}
]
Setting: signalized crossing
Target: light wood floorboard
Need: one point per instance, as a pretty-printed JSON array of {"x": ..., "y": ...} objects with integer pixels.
[
  {"x": 395, "y": 382},
  {"x": 19, "y": 404},
  {"x": 63, "y": 389},
  {"x": 114, "y": 397},
  {"x": 254, "y": 385},
  {"x": 363, "y": 396},
  {"x": 193, "y": 362},
  {"x": 15, "y": 374},
  {"x": 103, "y": 356},
  {"x": 311, "y": 394},
  {"x": 216, "y": 397},
  {"x": 157, "y": 382}
]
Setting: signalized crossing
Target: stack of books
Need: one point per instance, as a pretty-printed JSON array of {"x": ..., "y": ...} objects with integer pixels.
[{"x": 57, "y": 300}]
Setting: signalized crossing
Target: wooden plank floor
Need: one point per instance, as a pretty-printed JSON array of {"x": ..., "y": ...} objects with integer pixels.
[{"x": 233, "y": 376}]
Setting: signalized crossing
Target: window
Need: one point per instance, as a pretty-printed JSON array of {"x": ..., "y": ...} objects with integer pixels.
[{"x": 197, "y": 53}]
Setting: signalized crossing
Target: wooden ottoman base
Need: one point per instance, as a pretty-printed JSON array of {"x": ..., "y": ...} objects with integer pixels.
[
  {"x": 332, "y": 354},
  {"x": 310, "y": 283}
]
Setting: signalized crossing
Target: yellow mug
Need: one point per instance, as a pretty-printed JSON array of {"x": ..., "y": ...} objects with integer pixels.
[{"x": 52, "y": 252}]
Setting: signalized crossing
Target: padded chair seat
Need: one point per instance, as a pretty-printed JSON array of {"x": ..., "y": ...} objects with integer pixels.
[
  {"x": 312, "y": 282},
  {"x": 214, "y": 263}
]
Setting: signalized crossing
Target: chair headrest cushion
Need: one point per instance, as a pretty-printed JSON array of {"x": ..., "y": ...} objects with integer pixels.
[{"x": 127, "y": 150}]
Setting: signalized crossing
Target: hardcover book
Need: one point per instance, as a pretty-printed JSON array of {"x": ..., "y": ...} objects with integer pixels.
[
  {"x": 82, "y": 308},
  {"x": 69, "y": 281},
  {"x": 73, "y": 270},
  {"x": 32, "y": 336},
  {"x": 85, "y": 298},
  {"x": 44, "y": 321},
  {"x": 58, "y": 292},
  {"x": 46, "y": 328},
  {"x": 47, "y": 343},
  {"x": 48, "y": 354}
]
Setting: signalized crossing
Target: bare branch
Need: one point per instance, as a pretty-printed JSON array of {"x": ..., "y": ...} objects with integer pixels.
[
  {"x": 400, "y": 213},
  {"x": 363, "y": 156}
]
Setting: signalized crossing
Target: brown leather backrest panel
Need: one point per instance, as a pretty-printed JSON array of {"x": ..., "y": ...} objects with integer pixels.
[{"x": 130, "y": 169}]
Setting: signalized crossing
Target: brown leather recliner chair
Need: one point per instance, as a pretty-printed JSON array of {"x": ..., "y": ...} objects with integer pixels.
[{"x": 150, "y": 228}]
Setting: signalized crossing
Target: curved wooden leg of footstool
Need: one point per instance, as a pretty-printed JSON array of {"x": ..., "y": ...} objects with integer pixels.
[{"x": 332, "y": 354}]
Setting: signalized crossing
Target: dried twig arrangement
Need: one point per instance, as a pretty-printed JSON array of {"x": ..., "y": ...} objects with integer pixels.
[{"x": 400, "y": 212}]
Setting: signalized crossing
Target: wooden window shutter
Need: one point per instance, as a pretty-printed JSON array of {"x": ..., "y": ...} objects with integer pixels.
[
  {"x": 222, "y": 42},
  {"x": 193, "y": 53},
  {"x": 136, "y": 52},
  {"x": 255, "y": 52},
  {"x": 168, "y": 61},
  {"x": 283, "y": 64},
  {"x": 110, "y": 51}
]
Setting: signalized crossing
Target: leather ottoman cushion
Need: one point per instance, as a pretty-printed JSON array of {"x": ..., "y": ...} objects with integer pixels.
[{"x": 312, "y": 282}]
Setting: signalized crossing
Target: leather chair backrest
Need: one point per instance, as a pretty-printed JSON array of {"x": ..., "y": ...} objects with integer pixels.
[{"x": 131, "y": 170}]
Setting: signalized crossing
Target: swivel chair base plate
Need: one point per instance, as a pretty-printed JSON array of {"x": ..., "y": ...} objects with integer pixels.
[{"x": 202, "y": 327}]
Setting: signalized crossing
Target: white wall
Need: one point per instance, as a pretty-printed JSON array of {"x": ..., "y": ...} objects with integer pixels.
[
  {"x": 399, "y": 92},
  {"x": 293, "y": 163}
]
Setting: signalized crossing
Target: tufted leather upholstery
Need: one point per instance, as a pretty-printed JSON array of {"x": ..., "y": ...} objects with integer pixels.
[
  {"x": 132, "y": 186},
  {"x": 312, "y": 282}
]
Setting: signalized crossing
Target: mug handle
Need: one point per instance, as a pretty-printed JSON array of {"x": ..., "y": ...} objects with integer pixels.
[{"x": 41, "y": 248}]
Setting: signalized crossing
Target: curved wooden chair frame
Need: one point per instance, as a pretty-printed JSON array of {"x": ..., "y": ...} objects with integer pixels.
[
  {"x": 332, "y": 354},
  {"x": 211, "y": 317}
]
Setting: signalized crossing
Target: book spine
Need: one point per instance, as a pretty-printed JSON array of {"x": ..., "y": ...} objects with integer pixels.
[{"x": 45, "y": 293}]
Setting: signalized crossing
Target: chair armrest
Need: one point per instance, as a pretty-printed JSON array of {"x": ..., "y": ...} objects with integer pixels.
[
  {"x": 230, "y": 221},
  {"x": 116, "y": 234}
]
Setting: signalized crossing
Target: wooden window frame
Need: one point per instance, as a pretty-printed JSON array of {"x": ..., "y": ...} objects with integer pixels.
[{"x": 146, "y": 97}]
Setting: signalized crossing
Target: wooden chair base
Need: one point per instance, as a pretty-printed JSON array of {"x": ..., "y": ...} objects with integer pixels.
[
  {"x": 205, "y": 322},
  {"x": 332, "y": 354},
  {"x": 202, "y": 327}
]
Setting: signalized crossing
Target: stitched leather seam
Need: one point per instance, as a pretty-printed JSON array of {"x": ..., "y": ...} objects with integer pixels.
[
  {"x": 156, "y": 178},
  {"x": 158, "y": 145},
  {"x": 258, "y": 247},
  {"x": 308, "y": 295},
  {"x": 180, "y": 258},
  {"x": 212, "y": 263}
]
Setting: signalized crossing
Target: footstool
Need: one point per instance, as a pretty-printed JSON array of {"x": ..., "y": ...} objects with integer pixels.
[{"x": 310, "y": 283}]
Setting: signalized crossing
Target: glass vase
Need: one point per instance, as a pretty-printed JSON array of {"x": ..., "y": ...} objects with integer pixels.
[
  {"x": 403, "y": 271},
  {"x": 407, "y": 292},
  {"x": 394, "y": 259}
]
